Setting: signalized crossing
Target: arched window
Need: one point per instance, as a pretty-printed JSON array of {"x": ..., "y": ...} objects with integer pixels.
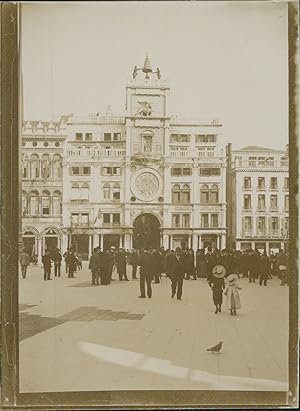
[
  {"x": 75, "y": 191},
  {"x": 214, "y": 195},
  {"x": 45, "y": 202},
  {"x": 106, "y": 191},
  {"x": 57, "y": 205},
  {"x": 116, "y": 192},
  {"x": 57, "y": 166},
  {"x": 46, "y": 163},
  {"x": 34, "y": 203},
  {"x": 85, "y": 191},
  {"x": 25, "y": 171},
  {"x": 24, "y": 203},
  {"x": 176, "y": 194},
  {"x": 204, "y": 195},
  {"x": 147, "y": 137},
  {"x": 185, "y": 194},
  {"x": 34, "y": 166}
]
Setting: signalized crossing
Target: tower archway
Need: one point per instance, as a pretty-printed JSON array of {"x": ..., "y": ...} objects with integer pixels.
[{"x": 146, "y": 232}]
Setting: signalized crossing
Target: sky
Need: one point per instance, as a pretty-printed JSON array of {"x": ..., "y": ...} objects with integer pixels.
[{"x": 223, "y": 60}]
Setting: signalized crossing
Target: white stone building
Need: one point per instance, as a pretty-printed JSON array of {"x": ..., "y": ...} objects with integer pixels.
[
  {"x": 260, "y": 199},
  {"x": 145, "y": 179}
]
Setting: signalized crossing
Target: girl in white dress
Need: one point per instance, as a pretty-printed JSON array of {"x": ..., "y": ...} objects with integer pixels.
[{"x": 231, "y": 291}]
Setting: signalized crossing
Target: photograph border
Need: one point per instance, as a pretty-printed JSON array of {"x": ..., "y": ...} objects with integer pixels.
[{"x": 10, "y": 111}]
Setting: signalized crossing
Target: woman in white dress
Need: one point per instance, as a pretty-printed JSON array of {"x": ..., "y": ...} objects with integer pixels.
[{"x": 233, "y": 299}]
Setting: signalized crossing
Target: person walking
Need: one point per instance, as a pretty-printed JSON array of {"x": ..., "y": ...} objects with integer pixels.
[
  {"x": 217, "y": 284},
  {"x": 264, "y": 268},
  {"x": 176, "y": 273},
  {"x": 281, "y": 264},
  {"x": 190, "y": 265},
  {"x": 133, "y": 259},
  {"x": 57, "y": 257},
  {"x": 24, "y": 259},
  {"x": 65, "y": 255},
  {"x": 94, "y": 266},
  {"x": 232, "y": 295},
  {"x": 157, "y": 265},
  {"x": 71, "y": 261},
  {"x": 145, "y": 263},
  {"x": 121, "y": 264},
  {"x": 46, "y": 260}
]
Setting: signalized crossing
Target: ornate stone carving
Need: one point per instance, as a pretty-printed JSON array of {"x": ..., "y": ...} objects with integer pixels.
[{"x": 144, "y": 109}]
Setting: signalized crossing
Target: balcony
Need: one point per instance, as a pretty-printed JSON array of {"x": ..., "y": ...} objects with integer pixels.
[
  {"x": 274, "y": 233},
  {"x": 180, "y": 152},
  {"x": 97, "y": 153},
  {"x": 258, "y": 164}
]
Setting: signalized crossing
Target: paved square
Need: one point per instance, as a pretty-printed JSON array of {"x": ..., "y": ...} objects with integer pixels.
[{"x": 75, "y": 336}]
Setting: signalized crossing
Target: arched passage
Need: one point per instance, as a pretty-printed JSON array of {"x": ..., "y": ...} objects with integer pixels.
[{"x": 146, "y": 233}]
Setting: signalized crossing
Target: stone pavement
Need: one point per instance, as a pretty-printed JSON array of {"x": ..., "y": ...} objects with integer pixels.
[{"x": 75, "y": 336}]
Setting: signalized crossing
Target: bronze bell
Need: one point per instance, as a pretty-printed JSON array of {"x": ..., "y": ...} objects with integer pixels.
[{"x": 147, "y": 68}]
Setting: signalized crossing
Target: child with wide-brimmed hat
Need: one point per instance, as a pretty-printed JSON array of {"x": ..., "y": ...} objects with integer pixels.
[
  {"x": 233, "y": 298},
  {"x": 217, "y": 283}
]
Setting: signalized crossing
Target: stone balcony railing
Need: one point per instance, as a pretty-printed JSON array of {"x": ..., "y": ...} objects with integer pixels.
[
  {"x": 258, "y": 164},
  {"x": 91, "y": 152},
  {"x": 261, "y": 234}
]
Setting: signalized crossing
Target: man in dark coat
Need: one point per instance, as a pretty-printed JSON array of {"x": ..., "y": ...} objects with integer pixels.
[
  {"x": 94, "y": 266},
  {"x": 145, "y": 263},
  {"x": 46, "y": 260},
  {"x": 121, "y": 264},
  {"x": 157, "y": 265},
  {"x": 264, "y": 269},
  {"x": 190, "y": 265},
  {"x": 177, "y": 271},
  {"x": 103, "y": 268},
  {"x": 71, "y": 262},
  {"x": 253, "y": 263},
  {"x": 24, "y": 262},
  {"x": 57, "y": 257},
  {"x": 133, "y": 259}
]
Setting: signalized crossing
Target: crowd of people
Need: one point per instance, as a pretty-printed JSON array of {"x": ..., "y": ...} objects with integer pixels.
[{"x": 222, "y": 269}]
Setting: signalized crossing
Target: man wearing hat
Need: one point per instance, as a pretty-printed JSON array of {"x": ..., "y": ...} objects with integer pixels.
[
  {"x": 177, "y": 272},
  {"x": 217, "y": 283}
]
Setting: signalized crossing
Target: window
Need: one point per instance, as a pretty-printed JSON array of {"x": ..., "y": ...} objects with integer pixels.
[
  {"x": 261, "y": 225},
  {"x": 80, "y": 171},
  {"x": 107, "y": 136},
  {"x": 206, "y": 138},
  {"x": 84, "y": 219},
  {"x": 274, "y": 226},
  {"x": 175, "y": 194},
  {"x": 106, "y": 192},
  {"x": 185, "y": 220},
  {"x": 75, "y": 192},
  {"x": 185, "y": 194},
  {"x": 247, "y": 182},
  {"x": 106, "y": 218},
  {"x": 261, "y": 202},
  {"x": 204, "y": 220},
  {"x": 214, "y": 195},
  {"x": 210, "y": 151},
  {"x": 273, "y": 202},
  {"x": 34, "y": 166},
  {"x": 24, "y": 203},
  {"x": 252, "y": 161},
  {"x": 208, "y": 172},
  {"x": 25, "y": 166},
  {"x": 286, "y": 225},
  {"x": 286, "y": 203},
  {"x": 247, "y": 202},
  {"x": 116, "y": 192},
  {"x": 177, "y": 171},
  {"x": 261, "y": 161},
  {"x": 116, "y": 219},
  {"x": 201, "y": 151},
  {"x": 273, "y": 183},
  {"x": 57, "y": 205},
  {"x": 45, "y": 202},
  {"x": 88, "y": 136},
  {"x": 261, "y": 183},
  {"x": 79, "y": 136},
  {"x": 286, "y": 183},
  {"x": 86, "y": 170},
  {"x": 111, "y": 171},
  {"x": 214, "y": 220},
  {"x": 176, "y": 220},
  {"x": 57, "y": 166},
  {"x": 270, "y": 161},
  {"x": 248, "y": 225},
  {"x": 75, "y": 171},
  {"x": 85, "y": 191},
  {"x": 204, "y": 194},
  {"x": 74, "y": 219},
  {"x": 180, "y": 138},
  {"x": 117, "y": 136}
]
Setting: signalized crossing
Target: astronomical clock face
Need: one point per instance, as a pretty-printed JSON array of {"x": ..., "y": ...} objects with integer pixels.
[{"x": 146, "y": 185}]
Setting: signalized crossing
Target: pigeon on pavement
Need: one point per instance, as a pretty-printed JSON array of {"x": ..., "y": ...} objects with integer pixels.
[{"x": 216, "y": 348}]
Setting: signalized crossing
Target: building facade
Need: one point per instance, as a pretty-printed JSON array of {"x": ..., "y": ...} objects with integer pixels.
[
  {"x": 260, "y": 199},
  {"x": 145, "y": 179}
]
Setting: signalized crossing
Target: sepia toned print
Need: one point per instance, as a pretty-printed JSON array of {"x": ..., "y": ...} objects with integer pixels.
[{"x": 154, "y": 238}]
